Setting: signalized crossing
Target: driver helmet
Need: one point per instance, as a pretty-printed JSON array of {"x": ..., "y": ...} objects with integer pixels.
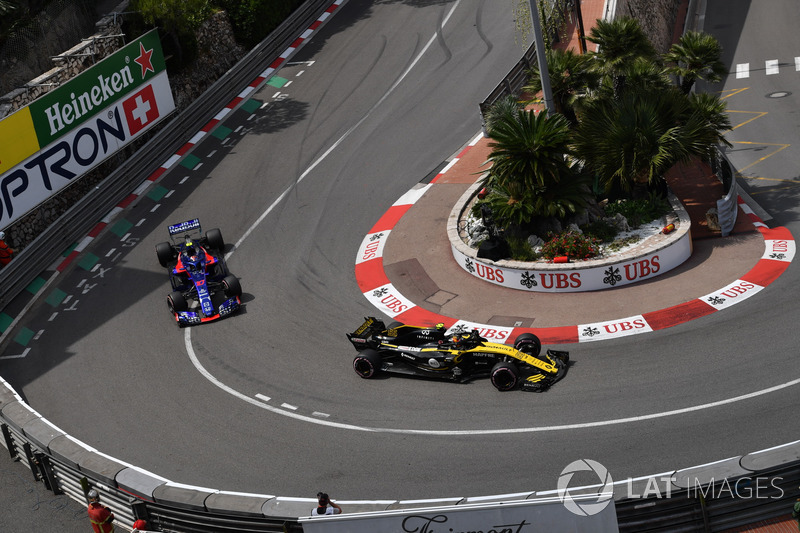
[{"x": 191, "y": 250}]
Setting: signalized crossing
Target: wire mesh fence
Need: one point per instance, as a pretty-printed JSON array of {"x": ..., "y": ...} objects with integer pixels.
[{"x": 29, "y": 48}]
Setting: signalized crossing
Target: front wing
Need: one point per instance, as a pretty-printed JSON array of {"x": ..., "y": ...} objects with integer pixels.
[{"x": 188, "y": 318}]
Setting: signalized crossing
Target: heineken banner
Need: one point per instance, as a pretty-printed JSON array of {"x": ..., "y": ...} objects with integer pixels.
[{"x": 68, "y": 131}]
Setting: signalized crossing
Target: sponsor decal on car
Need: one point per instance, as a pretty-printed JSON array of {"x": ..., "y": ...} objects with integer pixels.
[{"x": 184, "y": 226}]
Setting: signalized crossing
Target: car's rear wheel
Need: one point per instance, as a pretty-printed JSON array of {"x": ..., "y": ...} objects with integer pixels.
[
  {"x": 215, "y": 240},
  {"x": 367, "y": 363},
  {"x": 165, "y": 253},
  {"x": 528, "y": 343},
  {"x": 505, "y": 376},
  {"x": 176, "y": 302},
  {"x": 231, "y": 286}
]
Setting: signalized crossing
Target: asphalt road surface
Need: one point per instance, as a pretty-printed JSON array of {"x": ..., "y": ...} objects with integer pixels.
[{"x": 267, "y": 402}]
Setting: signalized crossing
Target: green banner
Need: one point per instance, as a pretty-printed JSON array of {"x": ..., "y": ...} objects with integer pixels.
[{"x": 61, "y": 110}]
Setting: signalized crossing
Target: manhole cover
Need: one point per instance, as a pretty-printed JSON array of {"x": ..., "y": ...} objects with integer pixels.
[{"x": 778, "y": 94}]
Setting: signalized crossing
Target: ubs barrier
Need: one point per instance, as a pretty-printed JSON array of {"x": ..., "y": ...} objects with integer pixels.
[
  {"x": 67, "y": 466},
  {"x": 658, "y": 255}
]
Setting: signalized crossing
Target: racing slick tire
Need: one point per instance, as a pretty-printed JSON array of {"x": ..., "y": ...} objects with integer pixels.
[
  {"x": 505, "y": 376},
  {"x": 528, "y": 343},
  {"x": 231, "y": 286},
  {"x": 215, "y": 240},
  {"x": 165, "y": 253},
  {"x": 367, "y": 363},
  {"x": 176, "y": 302}
]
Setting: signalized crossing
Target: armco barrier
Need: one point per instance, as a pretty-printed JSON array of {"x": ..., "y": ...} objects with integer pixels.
[
  {"x": 711, "y": 497},
  {"x": 67, "y": 466},
  {"x": 727, "y": 206}
]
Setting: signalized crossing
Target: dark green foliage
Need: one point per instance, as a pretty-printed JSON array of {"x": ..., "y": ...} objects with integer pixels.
[
  {"x": 253, "y": 20},
  {"x": 601, "y": 230},
  {"x": 520, "y": 250},
  {"x": 639, "y": 212},
  {"x": 178, "y": 21},
  {"x": 695, "y": 56},
  {"x": 530, "y": 173}
]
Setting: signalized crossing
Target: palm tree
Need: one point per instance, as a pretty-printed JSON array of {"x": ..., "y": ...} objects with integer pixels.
[
  {"x": 570, "y": 76},
  {"x": 6, "y": 7},
  {"x": 631, "y": 142},
  {"x": 504, "y": 109},
  {"x": 621, "y": 41},
  {"x": 530, "y": 173},
  {"x": 695, "y": 56}
]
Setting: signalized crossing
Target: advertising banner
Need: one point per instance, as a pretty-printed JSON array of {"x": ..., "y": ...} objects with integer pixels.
[
  {"x": 67, "y": 132},
  {"x": 526, "y": 516},
  {"x": 579, "y": 277}
]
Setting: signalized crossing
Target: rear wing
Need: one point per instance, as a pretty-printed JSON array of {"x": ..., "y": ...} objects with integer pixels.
[
  {"x": 190, "y": 228},
  {"x": 363, "y": 337}
]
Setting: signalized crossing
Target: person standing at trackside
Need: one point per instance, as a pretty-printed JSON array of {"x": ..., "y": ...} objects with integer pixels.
[
  {"x": 322, "y": 509},
  {"x": 5, "y": 250},
  {"x": 101, "y": 516},
  {"x": 796, "y": 512}
]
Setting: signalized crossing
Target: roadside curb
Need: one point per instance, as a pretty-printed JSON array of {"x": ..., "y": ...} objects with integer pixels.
[{"x": 376, "y": 286}]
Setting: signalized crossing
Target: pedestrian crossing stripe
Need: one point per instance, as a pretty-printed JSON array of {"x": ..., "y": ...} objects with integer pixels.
[{"x": 771, "y": 67}]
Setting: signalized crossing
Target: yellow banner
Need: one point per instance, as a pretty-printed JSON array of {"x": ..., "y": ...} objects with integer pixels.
[{"x": 17, "y": 139}]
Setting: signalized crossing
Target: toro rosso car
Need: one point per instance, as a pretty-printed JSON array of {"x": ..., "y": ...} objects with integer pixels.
[
  {"x": 202, "y": 288},
  {"x": 459, "y": 356}
]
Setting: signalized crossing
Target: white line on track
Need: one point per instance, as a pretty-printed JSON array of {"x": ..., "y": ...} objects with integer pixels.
[
  {"x": 291, "y": 414},
  {"x": 742, "y": 71},
  {"x": 342, "y": 138}
]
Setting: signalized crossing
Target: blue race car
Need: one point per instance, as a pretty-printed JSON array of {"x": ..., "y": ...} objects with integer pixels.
[{"x": 202, "y": 287}]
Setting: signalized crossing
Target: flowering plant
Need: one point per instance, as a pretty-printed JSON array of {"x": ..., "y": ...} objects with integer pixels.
[{"x": 572, "y": 244}]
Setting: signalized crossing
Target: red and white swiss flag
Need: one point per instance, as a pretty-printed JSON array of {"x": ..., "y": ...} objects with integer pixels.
[{"x": 140, "y": 109}]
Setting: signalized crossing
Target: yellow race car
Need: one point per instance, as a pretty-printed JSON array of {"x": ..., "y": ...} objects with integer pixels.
[{"x": 460, "y": 356}]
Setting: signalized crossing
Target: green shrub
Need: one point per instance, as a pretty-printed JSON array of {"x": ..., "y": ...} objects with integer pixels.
[
  {"x": 641, "y": 211},
  {"x": 253, "y": 20},
  {"x": 600, "y": 229},
  {"x": 572, "y": 244},
  {"x": 520, "y": 249}
]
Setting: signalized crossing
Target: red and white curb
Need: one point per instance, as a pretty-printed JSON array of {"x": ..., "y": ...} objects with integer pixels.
[
  {"x": 378, "y": 289},
  {"x": 254, "y": 86},
  {"x": 455, "y": 160}
]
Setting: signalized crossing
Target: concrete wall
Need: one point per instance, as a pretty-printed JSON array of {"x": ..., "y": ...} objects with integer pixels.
[{"x": 657, "y": 18}]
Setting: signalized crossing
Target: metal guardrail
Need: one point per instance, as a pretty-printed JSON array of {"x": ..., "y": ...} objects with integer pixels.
[
  {"x": 728, "y": 205},
  {"x": 81, "y": 217},
  {"x": 511, "y": 84},
  {"x": 714, "y": 507},
  {"x": 65, "y": 466}
]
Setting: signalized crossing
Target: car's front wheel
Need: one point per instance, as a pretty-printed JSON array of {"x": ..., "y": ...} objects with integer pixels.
[
  {"x": 367, "y": 363},
  {"x": 176, "y": 302},
  {"x": 165, "y": 253},
  {"x": 215, "y": 240},
  {"x": 231, "y": 286},
  {"x": 505, "y": 376},
  {"x": 528, "y": 343}
]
